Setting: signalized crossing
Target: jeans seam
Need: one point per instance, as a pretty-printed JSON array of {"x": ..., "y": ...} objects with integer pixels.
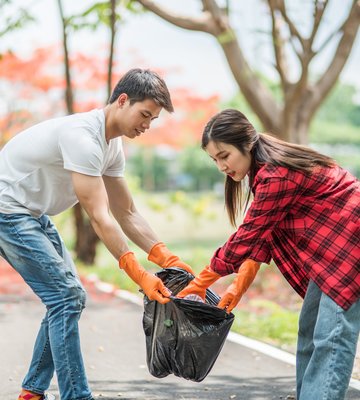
[
  {"x": 68, "y": 361},
  {"x": 333, "y": 353},
  {"x": 39, "y": 363},
  {"x": 58, "y": 243}
]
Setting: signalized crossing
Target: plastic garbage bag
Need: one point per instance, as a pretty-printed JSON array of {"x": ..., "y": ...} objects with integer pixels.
[{"x": 183, "y": 337}]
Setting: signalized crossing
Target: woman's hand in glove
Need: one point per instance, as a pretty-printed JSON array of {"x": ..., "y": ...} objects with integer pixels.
[
  {"x": 199, "y": 285},
  {"x": 241, "y": 283}
]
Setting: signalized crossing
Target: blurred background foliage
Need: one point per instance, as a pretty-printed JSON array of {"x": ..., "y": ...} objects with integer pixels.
[
  {"x": 335, "y": 131},
  {"x": 174, "y": 183}
]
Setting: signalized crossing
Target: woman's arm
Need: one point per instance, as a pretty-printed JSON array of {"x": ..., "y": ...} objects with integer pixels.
[{"x": 272, "y": 201}]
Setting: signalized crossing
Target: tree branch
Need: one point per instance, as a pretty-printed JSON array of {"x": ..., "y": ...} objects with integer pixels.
[
  {"x": 202, "y": 23},
  {"x": 278, "y": 42},
  {"x": 69, "y": 96},
  {"x": 280, "y": 4},
  {"x": 215, "y": 22},
  {"x": 299, "y": 89},
  {"x": 216, "y": 12},
  {"x": 320, "y": 7},
  {"x": 327, "y": 41},
  {"x": 349, "y": 31},
  {"x": 309, "y": 52}
]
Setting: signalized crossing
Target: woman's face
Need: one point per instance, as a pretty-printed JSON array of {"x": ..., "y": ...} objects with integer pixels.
[{"x": 229, "y": 159}]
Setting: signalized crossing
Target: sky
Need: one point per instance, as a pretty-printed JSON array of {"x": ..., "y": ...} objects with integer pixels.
[{"x": 194, "y": 59}]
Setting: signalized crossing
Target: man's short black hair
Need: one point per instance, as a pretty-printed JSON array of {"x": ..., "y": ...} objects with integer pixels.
[{"x": 141, "y": 84}]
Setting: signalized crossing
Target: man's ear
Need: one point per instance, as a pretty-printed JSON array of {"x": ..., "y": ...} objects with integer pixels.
[{"x": 122, "y": 99}]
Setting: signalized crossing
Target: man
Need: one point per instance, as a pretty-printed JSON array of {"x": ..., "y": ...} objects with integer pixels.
[{"x": 45, "y": 170}]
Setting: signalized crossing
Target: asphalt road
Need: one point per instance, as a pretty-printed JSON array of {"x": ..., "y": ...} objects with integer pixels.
[{"x": 113, "y": 344}]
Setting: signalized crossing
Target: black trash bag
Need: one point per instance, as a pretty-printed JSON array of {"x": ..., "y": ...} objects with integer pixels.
[{"x": 183, "y": 337}]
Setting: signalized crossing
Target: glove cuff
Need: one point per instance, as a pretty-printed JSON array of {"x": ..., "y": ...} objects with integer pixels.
[
  {"x": 125, "y": 258},
  {"x": 158, "y": 253},
  {"x": 250, "y": 265},
  {"x": 207, "y": 277}
]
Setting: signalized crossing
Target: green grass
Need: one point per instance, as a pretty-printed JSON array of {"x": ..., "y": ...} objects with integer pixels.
[{"x": 270, "y": 323}]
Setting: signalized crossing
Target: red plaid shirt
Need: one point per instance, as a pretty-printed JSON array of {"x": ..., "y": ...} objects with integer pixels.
[{"x": 310, "y": 227}]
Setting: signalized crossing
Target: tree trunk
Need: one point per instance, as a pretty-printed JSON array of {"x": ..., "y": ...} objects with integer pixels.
[
  {"x": 86, "y": 238},
  {"x": 295, "y": 130},
  {"x": 112, "y": 23}
]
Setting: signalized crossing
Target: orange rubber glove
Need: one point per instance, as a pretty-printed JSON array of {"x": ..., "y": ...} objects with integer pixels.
[
  {"x": 240, "y": 285},
  {"x": 162, "y": 256},
  {"x": 199, "y": 285},
  {"x": 152, "y": 286}
]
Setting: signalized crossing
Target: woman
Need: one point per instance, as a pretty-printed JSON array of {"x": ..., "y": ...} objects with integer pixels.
[{"x": 305, "y": 216}]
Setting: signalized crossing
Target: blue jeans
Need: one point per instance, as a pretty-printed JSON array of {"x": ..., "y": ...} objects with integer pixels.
[
  {"x": 34, "y": 248},
  {"x": 326, "y": 349}
]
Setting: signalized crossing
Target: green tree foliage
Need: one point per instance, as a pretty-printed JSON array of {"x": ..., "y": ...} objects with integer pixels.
[
  {"x": 150, "y": 168},
  {"x": 188, "y": 170},
  {"x": 98, "y": 14},
  {"x": 341, "y": 106},
  {"x": 10, "y": 20},
  {"x": 201, "y": 172}
]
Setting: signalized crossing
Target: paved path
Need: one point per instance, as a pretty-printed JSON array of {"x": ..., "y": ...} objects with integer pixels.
[{"x": 114, "y": 352}]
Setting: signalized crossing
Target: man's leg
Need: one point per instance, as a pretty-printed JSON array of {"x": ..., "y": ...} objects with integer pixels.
[
  {"x": 34, "y": 249},
  {"x": 41, "y": 368},
  {"x": 335, "y": 338}
]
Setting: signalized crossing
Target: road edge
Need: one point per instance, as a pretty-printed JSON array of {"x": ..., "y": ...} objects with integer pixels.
[{"x": 253, "y": 344}]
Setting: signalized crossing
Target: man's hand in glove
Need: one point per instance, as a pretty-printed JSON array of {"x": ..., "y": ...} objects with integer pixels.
[
  {"x": 243, "y": 280},
  {"x": 162, "y": 256},
  {"x": 152, "y": 286},
  {"x": 199, "y": 285}
]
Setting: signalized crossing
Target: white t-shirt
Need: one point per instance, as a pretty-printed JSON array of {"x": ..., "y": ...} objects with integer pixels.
[{"x": 36, "y": 164}]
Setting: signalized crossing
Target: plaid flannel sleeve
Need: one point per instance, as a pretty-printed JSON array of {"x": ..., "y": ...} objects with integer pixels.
[{"x": 272, "y": 200}]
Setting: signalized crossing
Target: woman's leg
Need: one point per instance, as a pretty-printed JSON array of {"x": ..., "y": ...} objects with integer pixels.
[
  {"x": 307, "y": 321},
  {"x": 326, "y": 364}
]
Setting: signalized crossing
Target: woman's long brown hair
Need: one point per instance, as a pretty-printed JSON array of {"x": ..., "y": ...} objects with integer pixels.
[{"x": 232, "y": 127}]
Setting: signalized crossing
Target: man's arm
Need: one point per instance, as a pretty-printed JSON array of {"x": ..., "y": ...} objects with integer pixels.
[
  {"x": 135, "y": 226},
  {"x": 92, "y": 195},
  {"x": 91, "y": 192},
  {"x": 122, "y": 206}
]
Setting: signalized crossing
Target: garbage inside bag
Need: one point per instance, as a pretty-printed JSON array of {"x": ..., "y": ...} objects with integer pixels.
[{"x": 183, "y": 337}]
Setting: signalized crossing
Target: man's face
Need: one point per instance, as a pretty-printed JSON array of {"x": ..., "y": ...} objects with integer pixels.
[{"x": 133, "y": 120}]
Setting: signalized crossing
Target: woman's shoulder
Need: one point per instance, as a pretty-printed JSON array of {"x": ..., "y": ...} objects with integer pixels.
[
  {"x": 319, "y": 177},
  {"x": 280, "y": 176},
  {"x": 267, "y": 171}
]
